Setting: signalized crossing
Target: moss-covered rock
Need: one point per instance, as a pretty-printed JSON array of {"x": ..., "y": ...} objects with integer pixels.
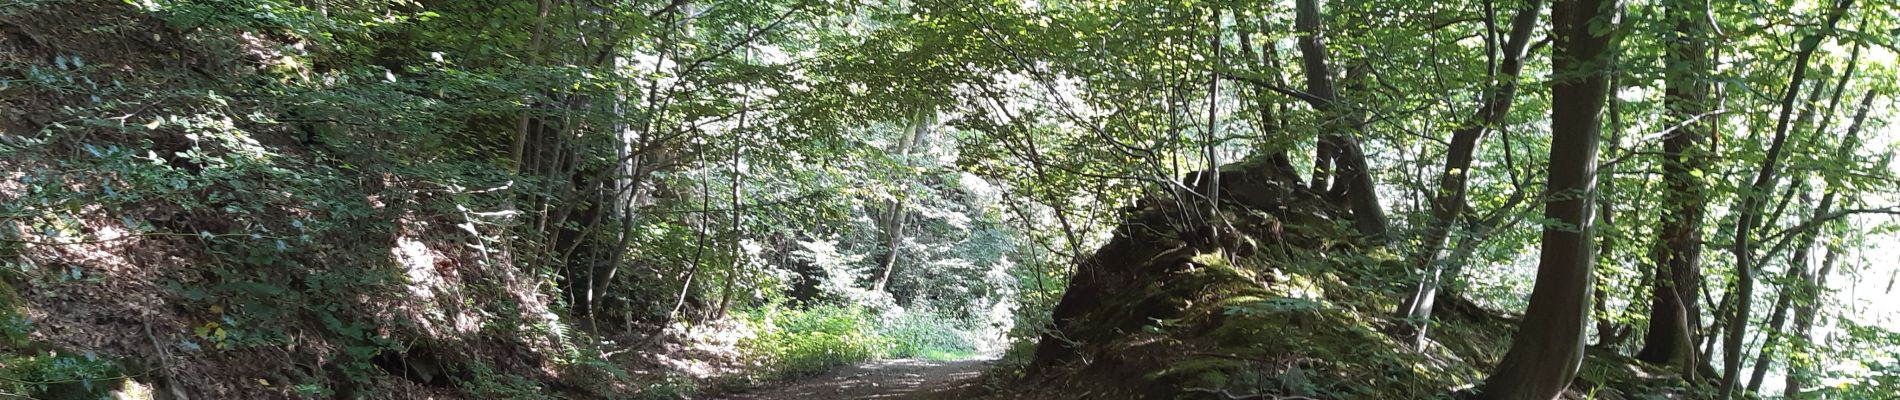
[{"x": 1151, "y": 316}]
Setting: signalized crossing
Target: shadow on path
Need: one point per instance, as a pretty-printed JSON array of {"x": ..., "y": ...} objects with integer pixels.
[{"x": 888, "y": 379}]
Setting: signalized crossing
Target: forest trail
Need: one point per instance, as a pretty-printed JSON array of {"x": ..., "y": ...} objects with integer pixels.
[{"x": 908, "y": 379}]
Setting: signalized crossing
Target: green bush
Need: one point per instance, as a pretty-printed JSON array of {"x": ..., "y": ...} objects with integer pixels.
[
  {"x": 485, "y": 382},
  {"x": 669, "y": 387},
  {"x": 929, "y": 333},
  {"x": 799, "y": 341},
  {"x": 54, "y": 374}
]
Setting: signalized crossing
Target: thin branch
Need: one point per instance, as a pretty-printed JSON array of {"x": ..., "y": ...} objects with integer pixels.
[{"x": 1316, "y": 101}]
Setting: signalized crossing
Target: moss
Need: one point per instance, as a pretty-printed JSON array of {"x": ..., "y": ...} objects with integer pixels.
[
  {"x": 1305, "y": 316},
  {"x": 1202, "y": 372}
]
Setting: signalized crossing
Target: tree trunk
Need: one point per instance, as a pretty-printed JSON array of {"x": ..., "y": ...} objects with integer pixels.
[
  {"x": 1799, "y": 261},
  {"x": 894, "y": 226},
  {"x": 1807, "y": 294},
  {"x": 1337, "y": 143},
  {"x": 1269, "y": 123},
  {"x": 1548, "y": 347},
  {"x": 1751, "y": 208},
  {"x": 1674, "y": 310},
  {"x": 1494, "y": 104},
  {"x": 522, "y": 123},
  {"x": 737, "y": 216},
  {"x": 1808, "y": 301},
  {"x": 1772, "y": 333},
  {"x": 1608, "y": 332}
]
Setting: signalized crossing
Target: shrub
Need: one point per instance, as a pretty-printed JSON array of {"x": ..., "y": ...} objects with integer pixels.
[
  {"x": 929, "y": 333},
  {"x": 800, "y": 341}
]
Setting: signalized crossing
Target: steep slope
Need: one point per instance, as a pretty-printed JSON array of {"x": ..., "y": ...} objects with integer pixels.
[
  {"x": 189, "y": 211},
  {"x": 1152, "y": 315}
]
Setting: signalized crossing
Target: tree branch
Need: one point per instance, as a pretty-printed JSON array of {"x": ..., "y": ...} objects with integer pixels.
[{"x": 1309, "y": 98}]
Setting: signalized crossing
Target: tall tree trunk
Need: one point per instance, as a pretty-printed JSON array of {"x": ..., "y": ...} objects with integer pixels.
[
  {"x": 894, "y": 225},
  {"x": 1211, "y": 148},
  {"x": 1798, "y": 263},
  {"x": 1674, "y": 310},
  {"x": 1808, "y": 300},
  {"x": 1751, "y": 207},
  {"x": 1493, "y": 105},
  {"x": 1771, "y": 334},
  {"x": 1269, "y": 123},
  {"x": 1807, "y": 294},
  {"x": 737, "y": 215},
  {"x": 1548, "y": 348},
  {"x": 523, "y": 123},
  {"x": 1337, "y": 142},
  {"x": 1609, "y": 332}
]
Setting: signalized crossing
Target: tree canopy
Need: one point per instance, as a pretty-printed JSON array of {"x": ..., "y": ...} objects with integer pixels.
[{"x": 686, "y": 198}]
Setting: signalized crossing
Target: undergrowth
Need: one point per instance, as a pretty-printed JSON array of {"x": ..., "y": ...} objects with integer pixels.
[
  {"x": 792, "y": 342},
  {"x": 37, "y": 371},
  {"x": 789, "y": 342}
]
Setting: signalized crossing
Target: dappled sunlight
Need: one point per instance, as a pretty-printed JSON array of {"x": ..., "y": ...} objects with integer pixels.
[
  {"x": 888, "y": 379},
  {"x": 941, "y": 199}
]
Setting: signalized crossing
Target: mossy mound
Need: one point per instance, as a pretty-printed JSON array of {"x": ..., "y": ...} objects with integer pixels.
[{"x": 1150, "y": 316}]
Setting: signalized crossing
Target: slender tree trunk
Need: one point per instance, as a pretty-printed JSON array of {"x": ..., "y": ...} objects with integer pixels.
[
  {"x": 1720, "y": 324},
  {"x": 1493, "y": 105},
  {"x": 1772, "y": 332},
  {"x": 1808, "y": 294},
  {"x": 1479, "y": 231},
  {"x": 1337, "y": 143},
  {"x": 699, "y": 241},
  {"x": 1751, "y": 208},
  {"x": 736, "y": 216},
  {"x": 1799, "y": 261},
  {"x": 1211, "y": 148},
  {"x": 1269, "y": 123},
  {"x": 522, "y": 123},
  {"x": 894, "y": 227},
  {"x": 1609, "y": 335},
  {"x": 1809, "y": 300},
  {"x": 1548, "y": 348}
]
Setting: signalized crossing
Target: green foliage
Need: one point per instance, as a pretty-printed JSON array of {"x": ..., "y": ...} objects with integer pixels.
[
  {"x": 670, "y": 387},
  {"x": 791, "y": 342},
  {"x": 745, "y": 155},
  {"x": 484, "y": 382},
  {"x": 37, "y": 372},
  {"x": 928, "y": 333},
  {"x": 788, "y": 342},
  {"x": 1873, "y": 367}
]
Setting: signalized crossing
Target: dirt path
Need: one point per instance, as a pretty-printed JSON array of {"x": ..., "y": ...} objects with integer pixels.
[{"x": 888, "y": 379}]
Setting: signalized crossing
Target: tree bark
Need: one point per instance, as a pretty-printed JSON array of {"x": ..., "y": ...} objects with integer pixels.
[
  {"x": 1751, "y": 207},
  {"x": 1674, "y": 310},
  {"x": 894, "y": 227},
  {"x": 522, "y": 123},
  {"x": 1449, "y": 203},
  {"x": 1548, "y": 348},
  {"x": 1804, "y": 315},
  {"x": 1807, "y": 294},
  {"x": 1337, "y": 143},
  {"x": 1269, "y": 123}
]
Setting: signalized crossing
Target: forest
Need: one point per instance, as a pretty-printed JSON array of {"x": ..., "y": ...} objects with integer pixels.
[{"x": 949, "y": 199}]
